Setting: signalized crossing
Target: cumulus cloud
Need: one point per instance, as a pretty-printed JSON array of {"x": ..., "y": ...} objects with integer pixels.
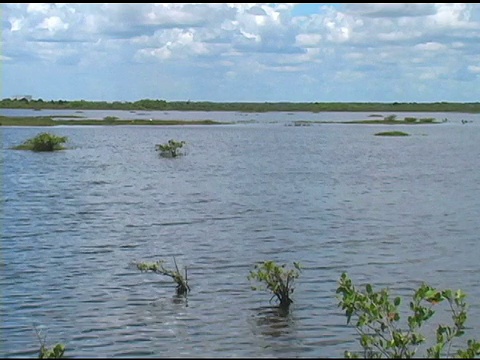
[
  {"x": 474, "y": 69},
  {"x": 347, "y": 41},
  {"x": 390, "y": 10},
  {"x": 430, "y": 46},
  {"x": 53, "y": 24}
]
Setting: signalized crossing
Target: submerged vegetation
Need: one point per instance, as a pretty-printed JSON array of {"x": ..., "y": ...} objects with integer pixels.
[
  {"x": 392, "y": 120},
  {"x": 391, "y": 133},
  {"x": 171, "y": 148},
  {"x": 108, "y": 120},
  {"x": 277, "y": 279},
  {"x": 112, "y": 120},
  {"x": 45, "y": 352},
  {"x": 43, "y": 142},
  {"x": 157, "y": 267},
  {"x": 376, "y": 317}
]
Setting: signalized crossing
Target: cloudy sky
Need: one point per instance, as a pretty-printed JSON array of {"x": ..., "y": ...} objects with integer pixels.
[{"x": 242, "y": 52}]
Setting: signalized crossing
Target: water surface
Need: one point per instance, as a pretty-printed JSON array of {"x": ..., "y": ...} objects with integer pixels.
[{"x": 390, "y": 211}]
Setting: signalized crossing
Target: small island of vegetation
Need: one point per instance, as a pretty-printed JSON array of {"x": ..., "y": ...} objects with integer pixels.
[
  {"x": 43, "y": 142},
  {"x": 112, "y": 120},
  {"x": 392, "y": 133},
  {"x": 109, "y": 120}
]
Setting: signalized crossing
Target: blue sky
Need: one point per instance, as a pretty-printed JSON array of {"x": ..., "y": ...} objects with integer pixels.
[{"x": 227, "y": 52}]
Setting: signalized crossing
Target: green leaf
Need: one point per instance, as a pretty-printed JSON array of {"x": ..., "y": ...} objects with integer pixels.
[{"x": 369, "y": 289}]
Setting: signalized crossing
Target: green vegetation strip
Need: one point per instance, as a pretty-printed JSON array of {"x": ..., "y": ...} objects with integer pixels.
[
  {"x": 111, "y": 120},
  {"x": 163, "y": 105},
  {"x": 49, "y": 121}
]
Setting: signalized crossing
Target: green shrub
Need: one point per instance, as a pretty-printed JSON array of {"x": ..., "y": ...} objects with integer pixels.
[
  {"x": 181, "y": 280},
  {"x": 43, "y": 142},
  {"x": 410, "y": 119},
  {"x": 278, "y": 279},
  {"x": 171, "y": 149},
  {"x": 377, "y": 321}
]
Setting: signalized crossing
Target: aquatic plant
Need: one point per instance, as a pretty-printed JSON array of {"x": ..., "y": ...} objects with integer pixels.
[
  {"x": 181, "y": 280},
  {"x": 392, "y": 117},
  {"x": 43, "y": 142},
  {"x": 110, "y": 119},
  {"x": 427, "y": 120},
  {"x": 392, "y": 133},
  {"x": 377, "y": 321},
  {"x": 171, "y": 148},
  {"x": 55, "y": 352},
  {"x": 277, "y": 279}
]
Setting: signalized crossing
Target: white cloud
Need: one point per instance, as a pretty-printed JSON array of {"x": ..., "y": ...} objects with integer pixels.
[
  {"x": 453, "y": 15},
  {"x": 390, "y": 9},
  {"x": 16, "y": 24},
  {"x": 474, "y": 69},
  {"x": 53, "y": 24},
  {"x": 308, "y": 40},
  {"x": 431, "y": 46},
  {"x": 38, "y": 8},
  {"x": 231, "y": 40}
]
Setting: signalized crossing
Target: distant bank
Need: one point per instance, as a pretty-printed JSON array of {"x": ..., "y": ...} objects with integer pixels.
[{"x": 163, "y": 105}]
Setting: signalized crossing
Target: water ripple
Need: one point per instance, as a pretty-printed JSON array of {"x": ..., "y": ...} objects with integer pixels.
[{"x": 334, "y": 198}]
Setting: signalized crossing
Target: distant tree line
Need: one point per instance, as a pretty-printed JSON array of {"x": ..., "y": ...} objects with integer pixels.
[{"x": 150, "y": 104}]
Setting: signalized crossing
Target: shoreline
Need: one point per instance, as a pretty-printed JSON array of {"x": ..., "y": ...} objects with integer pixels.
[{"x": 250, "y": 107}]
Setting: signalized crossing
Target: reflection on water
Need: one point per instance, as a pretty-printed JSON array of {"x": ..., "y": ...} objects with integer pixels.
[
  {"x": 274, "y": 321},
  {"x": 390, "y": 211}
]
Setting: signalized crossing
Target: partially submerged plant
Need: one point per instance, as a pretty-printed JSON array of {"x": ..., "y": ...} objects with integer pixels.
[
  {"x": 43, "y": 142},
  {"x": 377, "y": 321},
  {"x": 278, "y": 280},
  {"x": 176, "y": 275},
  {"x": 45, "y": 352},
  {"x": 110, "y": 119},
  {"x": 392, "y": 133},
  {"x": 171, "y": 149},
  {"x": 392, "y": 117}
]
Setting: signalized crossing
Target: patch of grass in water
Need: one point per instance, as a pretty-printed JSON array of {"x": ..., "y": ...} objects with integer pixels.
[
  {"x": 392, "y": 133},
  {"x": 43, "y": 142}
]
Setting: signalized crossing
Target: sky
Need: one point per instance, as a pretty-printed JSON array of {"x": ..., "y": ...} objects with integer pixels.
[{"x": 241, "y": 52}]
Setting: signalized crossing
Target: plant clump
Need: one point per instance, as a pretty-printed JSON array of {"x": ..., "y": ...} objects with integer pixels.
[
  {"x": 392, "y": 133},
  {"x": 157, "y": 267},
  {"x": 171, "y": 148},
  {"x": 43, "y": 142},
  {"x": 45, "y": 352},
  {"x": 382, "y": 336},
  {"x": 278, "y": 280},
  {"x": 110, "y": 119}
]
